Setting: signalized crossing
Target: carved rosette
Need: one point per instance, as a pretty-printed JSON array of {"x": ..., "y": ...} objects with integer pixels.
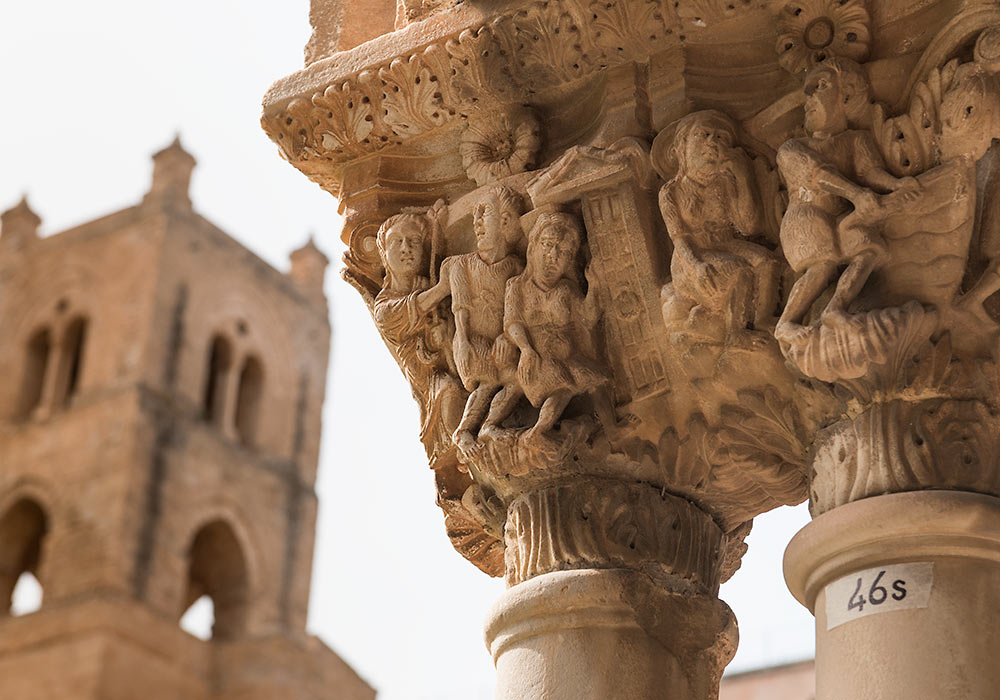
[
  {"x": 812, "y": 31},
  {"x": 496, "y": 146}
]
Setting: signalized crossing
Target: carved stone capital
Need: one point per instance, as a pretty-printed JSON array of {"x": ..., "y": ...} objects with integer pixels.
[{"x": 654, "y": 268}]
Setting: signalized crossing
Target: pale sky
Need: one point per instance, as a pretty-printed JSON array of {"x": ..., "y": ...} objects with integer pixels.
[{"x": 88, "y": 91}]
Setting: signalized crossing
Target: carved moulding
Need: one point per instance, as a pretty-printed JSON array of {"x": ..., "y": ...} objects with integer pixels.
[
  {"x": 905, "y": 331},
  {"x": 604, "y": 523}
]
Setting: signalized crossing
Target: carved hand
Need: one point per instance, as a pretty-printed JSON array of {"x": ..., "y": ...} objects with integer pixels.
[
  {"x": 504, "y": 352},
  {"x": 867, "y": 204},
  {"x": 530, "y": 364}
]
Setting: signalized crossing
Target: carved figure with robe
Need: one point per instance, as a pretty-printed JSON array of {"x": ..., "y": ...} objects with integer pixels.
[
  {"x": 552, "y": 323},
  {"x": 419, "y": 334},
  {"x": 485, "y": 358},
  {"x": 722, "y": 284}
]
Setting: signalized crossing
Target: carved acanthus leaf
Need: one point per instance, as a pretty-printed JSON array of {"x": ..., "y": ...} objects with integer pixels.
[
  {"x": 546, "y": 45},
  {"x": 620, "y": 28},
  {"x": 478, "y": 66},
  {"x": 700, "y": 14},
  {"x": 412, "y": 101},
  {"x": 347, "y": 121},
  {"x": 604, "y": 523}
]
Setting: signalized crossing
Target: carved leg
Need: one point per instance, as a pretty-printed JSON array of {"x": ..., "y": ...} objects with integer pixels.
[
  {"x": 475, "y": 409},
  {"x": 502, "y": 406},
  {"x": 805, "y": 291},
  {"x": 851, "y": 282},
  {"x": 550, "y": 412}
]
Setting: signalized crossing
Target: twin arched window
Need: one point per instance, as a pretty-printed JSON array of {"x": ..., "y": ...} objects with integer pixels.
[
  {"x": 235, "y": 408},
  {"x": 52, "y": 367}
]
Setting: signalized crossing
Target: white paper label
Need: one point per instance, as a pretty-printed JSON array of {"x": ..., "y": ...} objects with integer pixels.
[{"x": 879, "y": 590}]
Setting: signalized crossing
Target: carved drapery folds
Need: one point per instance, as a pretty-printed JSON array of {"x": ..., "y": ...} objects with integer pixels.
[{"x": 673, "y": 276}]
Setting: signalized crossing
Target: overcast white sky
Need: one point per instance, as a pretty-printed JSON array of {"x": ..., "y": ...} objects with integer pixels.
[{"x": 88, "y": 90}]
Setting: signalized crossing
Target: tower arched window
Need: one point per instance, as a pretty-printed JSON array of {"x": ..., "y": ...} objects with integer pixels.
[
  {"x": 22, "y": 531},
  {"x": 36, "y": 363},
  {"x": 214, "y": 396},
  {"x": 217, "y": 570},
  {"x": 251, "y": 389},
  {"x": 71, "y": 363}
]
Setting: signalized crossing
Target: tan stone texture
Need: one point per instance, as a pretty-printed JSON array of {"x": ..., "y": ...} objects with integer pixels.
[{"x": 152, "y": 494}]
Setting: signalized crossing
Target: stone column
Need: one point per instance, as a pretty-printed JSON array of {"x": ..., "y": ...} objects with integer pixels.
[
  {"x": 921, "y": 621},
  {"x": 613, "y": 594},
  {"x": 627, "y": 331}
]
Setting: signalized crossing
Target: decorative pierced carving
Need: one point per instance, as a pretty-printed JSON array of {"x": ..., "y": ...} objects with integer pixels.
[
  {"x": 812, "y": 31},
  {"x": 700, "y": 14},
  {"x": 623, "y": 28},
  {"x": 546, "y": 45},
  {"x": 348, "y": 120},
  {"x": 610, "y": 524},
  {"x": 412, "y": 99}
]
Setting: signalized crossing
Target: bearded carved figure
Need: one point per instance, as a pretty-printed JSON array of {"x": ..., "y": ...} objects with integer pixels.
[{"x": 724, "y": 287}]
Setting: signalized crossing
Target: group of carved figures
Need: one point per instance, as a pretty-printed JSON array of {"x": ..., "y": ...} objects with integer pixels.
[
  {"x": 514, "y": 329},
  {"x": 862, "y": 237}
]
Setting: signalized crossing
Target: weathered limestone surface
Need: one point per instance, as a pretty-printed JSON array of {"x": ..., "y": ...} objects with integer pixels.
[
  {"x": 653, "y": 268},
  {"x": 160, "y": 395}
]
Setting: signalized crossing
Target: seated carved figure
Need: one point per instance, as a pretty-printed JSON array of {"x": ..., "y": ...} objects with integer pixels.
[
  {"x": 708, "y": 206},
  {"x": 551, "y": 322},
  {"x": 484, "y": 357},
  {"x": 836, "y": 179},
  {"x": 407, "y": 315}
]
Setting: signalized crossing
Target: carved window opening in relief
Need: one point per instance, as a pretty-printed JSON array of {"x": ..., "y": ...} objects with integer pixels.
[
  {"x": 36, "y": 363},
  {"x": 251, "y": 389},
  {"x": 22, "y": 532},
  {"x": 217, "y": 569},
  {"x": 219, "y": 360},
  {"x": 71, "y": 364}
]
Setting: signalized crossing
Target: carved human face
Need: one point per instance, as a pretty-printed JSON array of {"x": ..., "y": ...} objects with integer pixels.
[
  {"x": 553, "y": 254},
  {"x": 488, "y": 226},
  {"x": 824, "y": 103},
  {"x": 404, "y": 249},
  {"x": 706, "y": 147},
  {"x": 967, "y": 127}
]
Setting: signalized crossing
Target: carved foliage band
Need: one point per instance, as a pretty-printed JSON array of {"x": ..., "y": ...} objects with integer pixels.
[
  {"x": 542, "y": 44},
  {"x": 606, "y": 524}
]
